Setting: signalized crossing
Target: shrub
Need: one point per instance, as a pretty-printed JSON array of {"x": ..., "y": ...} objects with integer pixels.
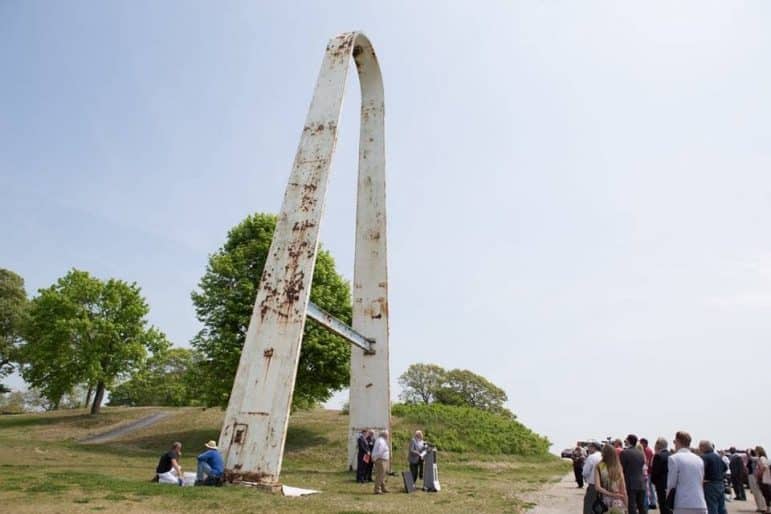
[{"x": 466, "y": 429}]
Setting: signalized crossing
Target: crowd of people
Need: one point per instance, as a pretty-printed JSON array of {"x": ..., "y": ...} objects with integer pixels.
[
  {"x": 630, "y": 477},
  {"x": 375, "y": 453}
]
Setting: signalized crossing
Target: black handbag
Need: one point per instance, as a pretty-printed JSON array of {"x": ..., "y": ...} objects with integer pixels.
[
  {"x": 599, "y": 507},
  {"x": 670, "y": 501}
]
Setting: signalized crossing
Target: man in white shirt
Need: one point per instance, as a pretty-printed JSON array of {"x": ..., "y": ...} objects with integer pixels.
[
  {"x": 686, "y": 476},
  {"x": 588, "y": 473},
  {"x": 381, "y": 454}
]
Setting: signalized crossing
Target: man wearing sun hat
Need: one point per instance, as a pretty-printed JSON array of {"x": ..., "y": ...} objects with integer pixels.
[{"x": 210, "y": 465}]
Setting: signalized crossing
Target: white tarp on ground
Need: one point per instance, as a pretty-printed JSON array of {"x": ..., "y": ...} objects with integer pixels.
[
  {"x": 171, "y": 478},
  {"x": 296, "y": 491}
]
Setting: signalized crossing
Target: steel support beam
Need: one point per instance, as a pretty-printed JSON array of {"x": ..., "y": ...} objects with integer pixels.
[
  {"x": 340, "y": 328},
  {"x": 254, "y": 430}
]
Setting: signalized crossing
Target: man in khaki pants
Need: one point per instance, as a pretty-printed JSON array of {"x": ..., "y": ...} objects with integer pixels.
[{"x": 381, "y": 454}]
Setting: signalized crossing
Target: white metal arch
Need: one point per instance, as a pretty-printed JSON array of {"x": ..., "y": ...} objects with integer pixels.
[{"x": 254, "y": 430}]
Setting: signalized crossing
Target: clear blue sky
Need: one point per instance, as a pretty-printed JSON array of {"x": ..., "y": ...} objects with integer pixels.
[{"x": 579, "y": 192}]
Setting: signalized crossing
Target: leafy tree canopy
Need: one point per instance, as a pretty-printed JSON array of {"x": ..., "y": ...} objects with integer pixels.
[
  {"x": 166, "y": 378},
  {"x": 429, "y": 383},
  {"x": 224, "y": 303},
  {"x": 421, "y": 382},
  {"x": 13, "y": 310},
  {"x": 83, "y": 330}
]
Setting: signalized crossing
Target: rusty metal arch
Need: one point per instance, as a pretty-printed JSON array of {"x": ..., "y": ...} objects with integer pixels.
[{"x": 254, "y": 430}]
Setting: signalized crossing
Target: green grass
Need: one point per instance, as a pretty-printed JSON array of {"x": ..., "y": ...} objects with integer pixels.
[
  {"x": 43, "y": 468},
  {"x": 462, "y": 429}
]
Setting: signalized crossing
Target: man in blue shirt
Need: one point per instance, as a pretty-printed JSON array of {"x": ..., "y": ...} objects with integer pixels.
[
  {"x": 210, "y": 465},
  {"x": 714, "y": 473}
]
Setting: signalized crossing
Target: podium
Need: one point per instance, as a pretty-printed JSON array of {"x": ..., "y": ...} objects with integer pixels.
[{"x": 431, "y": 471}]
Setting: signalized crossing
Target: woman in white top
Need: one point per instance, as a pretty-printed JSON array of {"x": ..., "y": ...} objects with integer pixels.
[{"x": 764, "y": 476}]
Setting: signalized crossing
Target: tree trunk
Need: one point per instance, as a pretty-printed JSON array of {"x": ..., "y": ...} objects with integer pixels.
[
  {"x": 98, "y": 397},
  {"x": 89, "y": 393}
]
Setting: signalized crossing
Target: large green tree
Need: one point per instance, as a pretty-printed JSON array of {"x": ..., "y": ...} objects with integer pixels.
[
  {"x": 429, "y": 383},
  {"x": 420, "y": 382},
  {"x": 83, "y": 330},
  {"x": 13, "y": 311},
  {"x": 465, "y": 388},
  {"x": 224, "y": 304},
  {"x": 167, "y": 378}
]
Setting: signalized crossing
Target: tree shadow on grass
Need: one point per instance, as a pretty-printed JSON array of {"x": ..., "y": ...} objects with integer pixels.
[
  {"x": 25, "y": 420},
  {"x": 193, "y": 441}
]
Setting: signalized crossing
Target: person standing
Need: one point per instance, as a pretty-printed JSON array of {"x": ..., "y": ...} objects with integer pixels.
[
  {"x": 609, "y": 481},
  {"x": 763, "y": 475},
  {"x": 587, "y": 473},
  {"x": 658, "y": 473},
  {"x": 363, "y": 456},
  {"x": 632, "y": 462},
  {"x": 381, "y": 454},
  {"x": 415, "y": 455},
  {"x": 738, "y": 473},
  {"x": 371, "y": 445},
  {"x": 618, "y": 445},
  {"x": 578, "y": 456},
  {"x": 650, "y": 492},
  {"x": 752, "y": 480},
  {"x": 685, "y": 476},
  {"x": 714, "y": 475}
]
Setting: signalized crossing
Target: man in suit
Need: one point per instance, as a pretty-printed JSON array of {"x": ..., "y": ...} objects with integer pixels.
[
  {"x": 658, "y": 473},
  {"x": 632, "y": 462},
  {"x": 363, "y": 456},
  {"x": 714, "y": 475},
  {"x": 686, "y": 476},
  {"x": 578, "y": 456},
  {"x": 738, "y": 473}
]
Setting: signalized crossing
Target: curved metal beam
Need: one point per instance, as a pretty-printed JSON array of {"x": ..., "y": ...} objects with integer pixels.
[{"x": 254, "y": 430}]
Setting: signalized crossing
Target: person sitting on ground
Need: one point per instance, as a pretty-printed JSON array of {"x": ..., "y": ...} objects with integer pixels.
[
  {"x": 210, "y": 466},
  {"x": 168, "y": 470},
  {"x": 609, "y": 481},
  {"x": 415, "y": 456}
]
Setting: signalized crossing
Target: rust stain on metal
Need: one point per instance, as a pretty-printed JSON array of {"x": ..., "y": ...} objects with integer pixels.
[{"x": 262, "y": 391}]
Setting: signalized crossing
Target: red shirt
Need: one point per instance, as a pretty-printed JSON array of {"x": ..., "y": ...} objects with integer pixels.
[{"x": 648, "y": 456}]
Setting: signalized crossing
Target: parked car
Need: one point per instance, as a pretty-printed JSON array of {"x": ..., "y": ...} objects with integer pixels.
[{"x": 567, "y": 453}]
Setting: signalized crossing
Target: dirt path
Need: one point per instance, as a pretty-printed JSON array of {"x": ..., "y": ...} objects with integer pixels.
[
  {"x": 122, "y": 430},
  {"x": 564, "y": 498}
]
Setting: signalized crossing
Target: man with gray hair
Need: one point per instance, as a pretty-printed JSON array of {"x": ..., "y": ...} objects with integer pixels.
[
  {"x": 590, "y": 463},
  {"x": 381, "y": 455},
  {"x": 714, "y": 474}
]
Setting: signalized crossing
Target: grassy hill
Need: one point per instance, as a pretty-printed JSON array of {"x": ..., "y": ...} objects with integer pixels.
[{"x": 45, "y": 469}]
